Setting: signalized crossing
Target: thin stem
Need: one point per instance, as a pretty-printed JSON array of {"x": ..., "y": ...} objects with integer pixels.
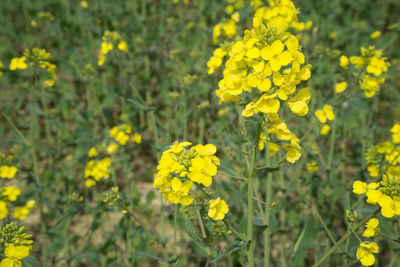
[
  {"x": 26, "y": 141},
  {"x": 250, "y": 189},
  {"x": 345, "y": 237},
  {"x": 318, "y": 216},
  {"x": 268, "y": 199}
]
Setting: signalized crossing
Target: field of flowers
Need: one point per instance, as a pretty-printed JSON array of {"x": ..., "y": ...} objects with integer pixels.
[{"x": 199, "y": 133}]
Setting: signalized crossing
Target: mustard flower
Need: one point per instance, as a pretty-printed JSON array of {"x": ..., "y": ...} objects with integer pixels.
[
  {"x": 340, "y": 87},
  {"x": 344, "y": 62},
  {"x": 84, "y": 4},
  {"x": 372, "y": 228},
  {"x": 325, "y": 114},
  {"x": 312, "y": 167},
  {"x": 14, "y": 255},
  {"x": 11, "y": 193},
  {"x": 137, "y": 138},
  {"x": 180, "y": 192},
  {"x": 395, "y": 133},
  {"x": 373, "y": 170},
  {"x": 112, "y": 148},
  {"x": 180, "y": 167},
  {"x": 375, "y": 35},
  {"x": 325, "y": 129},
  {"x": 92, "y": 152},
  {"x": 18, "y": 63},
  {"x": 218, "y": 209},
  {"x": 366, "y": 251},
  {"x": 3, "y": 209},
  {"x": 8, "y": 172}
]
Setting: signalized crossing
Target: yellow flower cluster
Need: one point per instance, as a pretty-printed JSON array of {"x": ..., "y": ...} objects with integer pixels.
[
  {"x": 281, "y": 14},
  {"x": 97, "y": 169},
  {"x": 373, "y": 68},
  {"x": 325, "y": 114},
  {"x": 8, "y": 172},
  {"x": 36, "y": 57},
  {"x": 21, "y": 211},
  {"x": 180, "y": 167},
  {"x": 267, "y": 64},
  {"x": 109, "y": 41},
  {"x": 384, "y": 162},
  {"x": 226, "y": 28},
  {"x": 10, "y": 194}
]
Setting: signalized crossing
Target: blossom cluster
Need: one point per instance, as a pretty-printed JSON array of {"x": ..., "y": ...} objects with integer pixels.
[
  {"x": 37, "y": 58},
  {"x": 263, "y": 70},
  {"x": 9, "y": 194},
  {"x": 372, "y": 67},
  {"x": 383, "y": 165},
  {"x": 281, "y": 14},
  {"x": 181, "y": 167},
  {"x": 110, "y": 39},
  {"x": 98, "y": 167}
]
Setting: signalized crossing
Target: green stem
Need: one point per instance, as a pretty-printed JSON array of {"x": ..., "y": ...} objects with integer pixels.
[
  {"x": 345, "y": 237},
  {"x": 175, "y": 229},
  {"x": 250, "y": 189},
  {"x": 268, "y": 199},
  {"x": 319, "y": 218}
]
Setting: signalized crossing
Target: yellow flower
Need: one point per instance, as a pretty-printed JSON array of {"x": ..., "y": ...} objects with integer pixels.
[
  {"x": 312, "y": 167},
  {"x": 395, "y": 133},
  {"x": 202, "y": 170},
  {"x": 11, "y": 193},
  {"x": 359, "y": 187},
  {"x": 14, "y": 255},
  {"x": 275, "y": 55},
  {"x": 137, "y": 138},
  {"x": 389, "y": 207},
  {"x": 325, "y": 129},
  {"x": 340, "y": 87},
  {"x": 373, "y": 170},
  {"x": 84, "y": 4},
  {"x": 357, "y": 61},
  {"x": 90, "y": 183},
  {"x": 365, "y": 253},
  {"x": 3, "y": 209},
  {"x": 18, "y": 63},
  {"x": 325, "y": 114},
  {"x": 8, "y": 171},
  {"x": 177, "y": 147},
  {"x": 20, "y": 213},
  {"x": 112, "y": 148},
  {"x": 218, "y": 209},
  {"x": 292, "y": 152},
  {"x": 105, "y": 48},
  {"x": 375, "y": 35},
  {"x": 180, "y": 192},
  {"x": 333, "y": 35},
  {"x": 92, "y": 152},
  {"x": 377, "y": 65},
  {"x": 371, "y": 228},
  {"x": 344, "y": 62},
  {"x": 123, "y": 46}
]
